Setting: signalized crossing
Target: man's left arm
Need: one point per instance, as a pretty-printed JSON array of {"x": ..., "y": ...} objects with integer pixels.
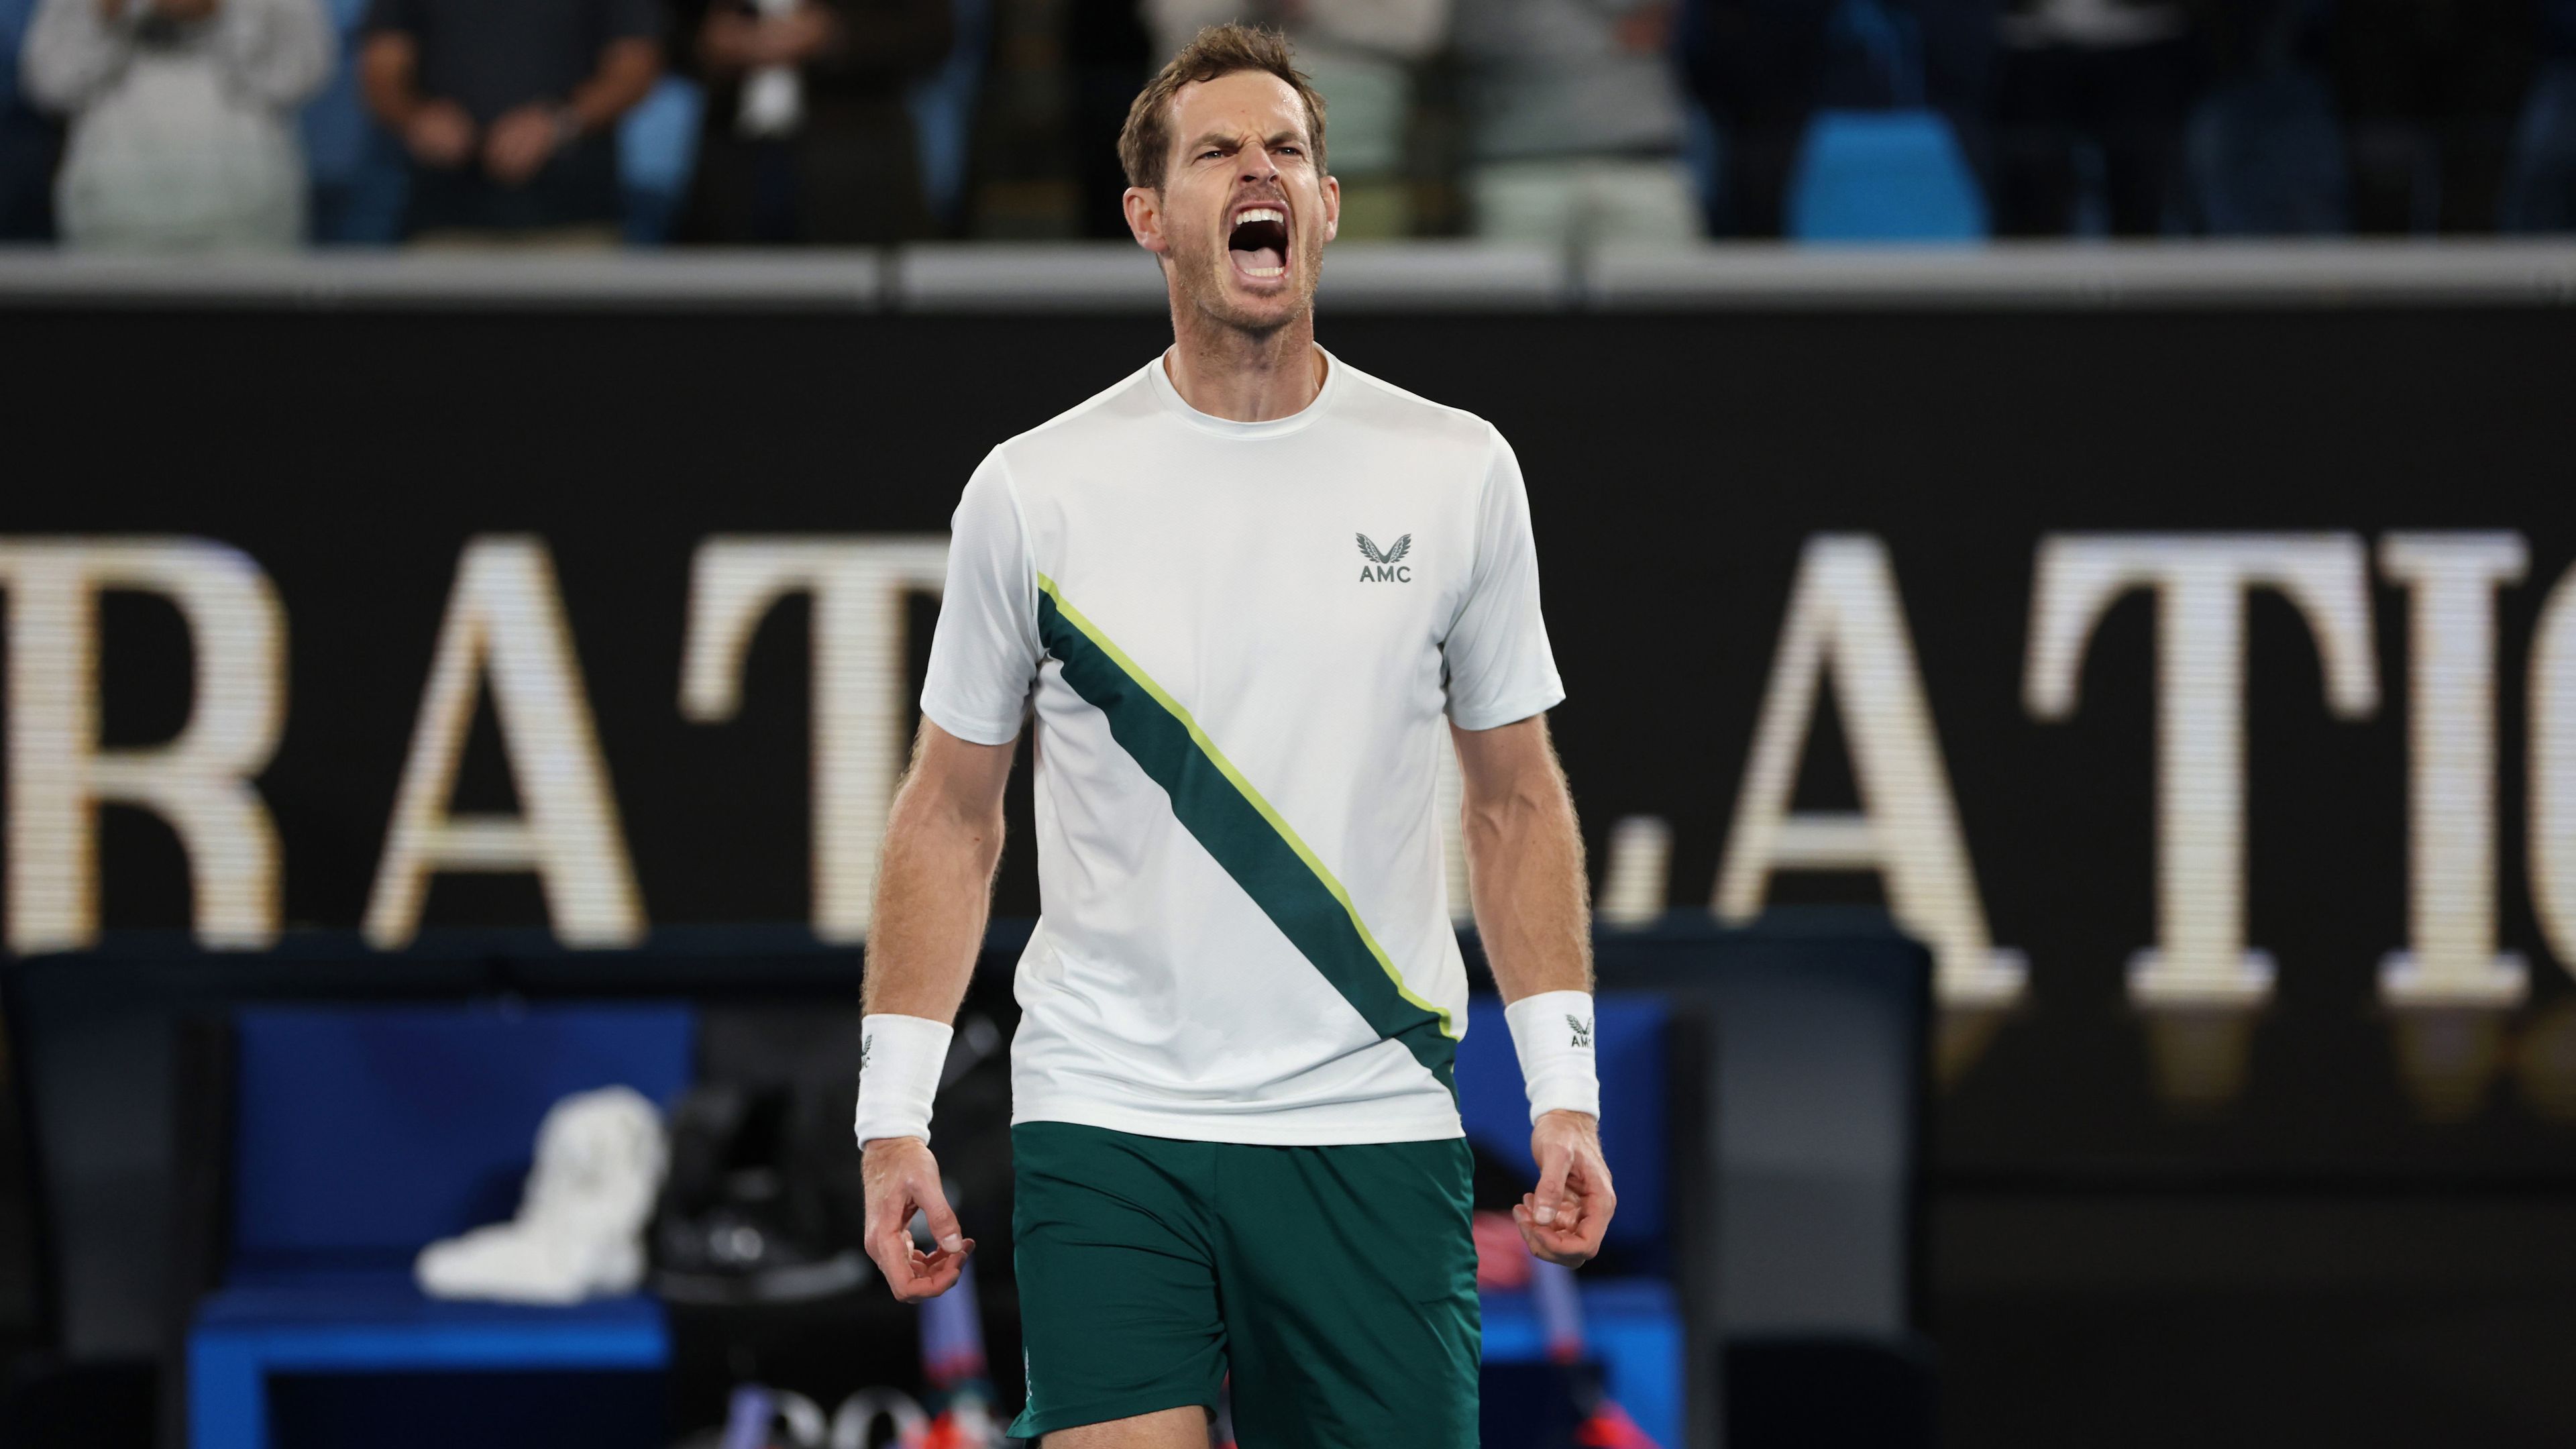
[{"x": 1526, "y": 877}]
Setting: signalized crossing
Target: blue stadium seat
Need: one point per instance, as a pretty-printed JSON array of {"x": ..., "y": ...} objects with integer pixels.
[
  {"x": 657, "y": 154},
  {"x": 1884, "y": 176},
  {"x": 1882, "y": 165},
  {"x": 1634, "y": 1325},
  {"x": 361, "y": 1134}
]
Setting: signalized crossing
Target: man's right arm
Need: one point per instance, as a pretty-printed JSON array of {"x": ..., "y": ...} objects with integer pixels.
[{"x": 934, "y": 887}]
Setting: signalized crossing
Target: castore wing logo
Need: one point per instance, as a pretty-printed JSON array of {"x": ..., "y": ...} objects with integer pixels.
[{"x": 1385, "y": 566}]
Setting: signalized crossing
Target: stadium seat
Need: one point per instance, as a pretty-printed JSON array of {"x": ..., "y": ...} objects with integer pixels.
[
  {"x": 1884, "y": 176},
  {"x": 1633, "y": 1325},
  {"x": 1881, "y": 165},
  {"x": 359, "y": 1135},
  {"x": 657, "y": 154}
]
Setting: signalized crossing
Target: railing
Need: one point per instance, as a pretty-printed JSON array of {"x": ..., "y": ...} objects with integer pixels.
[{"x": 1394, "y": 277}]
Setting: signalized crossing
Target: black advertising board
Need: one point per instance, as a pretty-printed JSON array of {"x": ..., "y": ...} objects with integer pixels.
[{"x": 2016, "y": 563}]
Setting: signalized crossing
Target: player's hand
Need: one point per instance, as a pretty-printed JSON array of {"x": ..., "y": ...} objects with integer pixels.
[
  {"x": 1563, "y": 1221},
  {"x": 900, "y": 1177}
]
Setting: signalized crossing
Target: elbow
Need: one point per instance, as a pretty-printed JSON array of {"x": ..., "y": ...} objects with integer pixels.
[
  {"x": 1517, "y": 807},
  {"x": 971, "y": 830},
  {"x": 384, "y": 84},
  {"x": 981, "y": 829}
]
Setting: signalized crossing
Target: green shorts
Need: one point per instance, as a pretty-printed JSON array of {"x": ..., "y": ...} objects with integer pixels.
[{"x": 1336, "y": 1285}]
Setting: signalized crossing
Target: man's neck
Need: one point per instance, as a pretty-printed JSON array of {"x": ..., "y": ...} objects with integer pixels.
[{"x": 1248, "y": 377}]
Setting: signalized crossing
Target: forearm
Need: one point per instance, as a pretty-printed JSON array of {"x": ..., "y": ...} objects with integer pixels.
[
  {"x": 1526, "y": 878},
  {"x": 385, "y": 79},
  {"x": 934, "y": 889},
  {"x": 627, "y": 70}
]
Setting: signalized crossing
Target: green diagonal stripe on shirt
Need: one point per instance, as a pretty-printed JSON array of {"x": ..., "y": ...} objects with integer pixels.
[{"x": 1249, "y": 838}]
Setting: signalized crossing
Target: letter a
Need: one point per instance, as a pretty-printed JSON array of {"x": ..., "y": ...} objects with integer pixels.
[
  {"x": 505, "y": 621},
  {"x": 1845, "y": 618}
]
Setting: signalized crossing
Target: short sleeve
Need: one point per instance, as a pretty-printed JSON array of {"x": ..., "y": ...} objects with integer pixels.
[
  {"x": 984, "y": 652},
  {"x": 400, "y": 17},
  {"x": 630, "y": 20},
  {"x": 1499, "y": 666}
]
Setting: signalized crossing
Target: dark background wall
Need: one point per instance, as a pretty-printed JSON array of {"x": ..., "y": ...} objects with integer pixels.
[{"x": 2318, "y": 1232}]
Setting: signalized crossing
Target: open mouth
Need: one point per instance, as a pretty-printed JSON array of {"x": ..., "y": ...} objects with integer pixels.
[{"x": 1259, "y": 242}]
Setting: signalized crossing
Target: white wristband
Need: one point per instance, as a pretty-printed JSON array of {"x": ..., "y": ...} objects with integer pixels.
[
  {"x": 1552, "y": 1032},
  {"x": 900, "y": 1058}
]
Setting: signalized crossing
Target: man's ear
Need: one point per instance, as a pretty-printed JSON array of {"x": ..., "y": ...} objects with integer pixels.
[
  {"x": 1144, "y": 208},
  {"x": 1332, "y": 207}
]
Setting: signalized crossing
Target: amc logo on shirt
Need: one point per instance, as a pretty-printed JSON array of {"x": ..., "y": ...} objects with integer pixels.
[{"x": 1384, "y": 567}]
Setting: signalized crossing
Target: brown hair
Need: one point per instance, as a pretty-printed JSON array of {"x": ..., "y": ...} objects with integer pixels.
[{"x": 1145, "y": 142}]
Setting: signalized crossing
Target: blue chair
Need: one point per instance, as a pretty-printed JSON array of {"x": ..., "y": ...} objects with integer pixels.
[
  {"x": 1634, "y": 1325},
  {"x": 1893, "y": 172},
  {"x": 361, "y": 1134},
  {"x": 657, "y": 154},
  {"x": 1884, "y": 176}
]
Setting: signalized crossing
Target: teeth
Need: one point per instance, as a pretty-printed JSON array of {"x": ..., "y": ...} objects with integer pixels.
[
  {"x": 1262, "y": 213},
  {"x": 1265, "y": 273}
]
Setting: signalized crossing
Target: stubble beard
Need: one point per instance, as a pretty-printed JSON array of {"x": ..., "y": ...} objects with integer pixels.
[{"x": 1204, "y": 284}]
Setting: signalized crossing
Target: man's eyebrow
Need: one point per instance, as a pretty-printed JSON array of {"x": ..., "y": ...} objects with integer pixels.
[{"x": 1226, "y": 138}]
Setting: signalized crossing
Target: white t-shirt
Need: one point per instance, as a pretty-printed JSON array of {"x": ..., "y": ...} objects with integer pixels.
[{"x": 1240, "y": 640}]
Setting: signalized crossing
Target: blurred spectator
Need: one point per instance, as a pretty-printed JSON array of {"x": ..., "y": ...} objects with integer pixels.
[
  {"x": 2430, "y": 91},
  {"x": 2264, "y": 149},
  {"x": 2541, "y": 195},
  {"x": 182, "y": 134},
  {"x": 1361, "y": 54},
  {"x": 2092, "y": 91},
  {"x": 29, "y": 141},
  {"x": 1756, "y": 67},
  {"x": 807, "y": 138},
  {"x": 1575, "y": 122},
  {"x": 509, "y": 110},
  {"x": 1109, "y": 55}
]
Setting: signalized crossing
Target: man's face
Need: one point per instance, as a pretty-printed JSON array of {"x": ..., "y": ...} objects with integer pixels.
[{"x": 1244, "y": 211}]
